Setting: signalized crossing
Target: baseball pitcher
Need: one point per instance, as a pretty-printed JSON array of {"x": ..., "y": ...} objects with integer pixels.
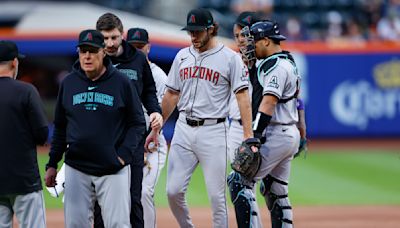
[{"x": 199, "y": 83}]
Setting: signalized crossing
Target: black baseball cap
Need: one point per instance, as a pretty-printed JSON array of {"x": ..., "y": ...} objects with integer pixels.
[
  {"x": 9, "y": 51},
  {"x": 198, "y": 19},
  {"x": 91, "y": 37},
  {"x": 137, "y": 35},
  {"x": 247, "y": 18}
]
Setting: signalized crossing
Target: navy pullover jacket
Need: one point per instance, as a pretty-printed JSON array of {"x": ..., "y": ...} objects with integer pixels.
[
  {"x": 96, "y": 121},
  {"x": 23, "y": 125},
  {"x": 134, "y": 65}
]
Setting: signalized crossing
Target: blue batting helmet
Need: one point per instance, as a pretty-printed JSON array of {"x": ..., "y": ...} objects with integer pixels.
[{"x": 268, "y": 29}]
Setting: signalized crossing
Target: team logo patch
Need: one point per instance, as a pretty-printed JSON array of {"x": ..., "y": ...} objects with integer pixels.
[
  {"x": 88, "y": 37},
  {"x": 92, "y": 100},
  {"x": 192, "y": 19},
  {"x": 131, "y": 74},
  {"x": 136, "y": 35},
  {"x": 245, "y": 74},
  {"x": 247, "y": 19},
  {"x": 273, "y": 82}
]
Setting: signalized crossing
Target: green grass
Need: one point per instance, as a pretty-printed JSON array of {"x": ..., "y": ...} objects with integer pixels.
[{"x": 345, "y": 178}]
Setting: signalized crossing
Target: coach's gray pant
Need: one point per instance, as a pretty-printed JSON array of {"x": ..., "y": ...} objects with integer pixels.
[
  {"x": 29, "y": 210},
  {"x": 111, "y": 191}
]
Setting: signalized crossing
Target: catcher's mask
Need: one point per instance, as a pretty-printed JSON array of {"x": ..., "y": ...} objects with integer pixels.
[
  {"x": 258, "y": 31},
  {"x": 248, "y": 51}
]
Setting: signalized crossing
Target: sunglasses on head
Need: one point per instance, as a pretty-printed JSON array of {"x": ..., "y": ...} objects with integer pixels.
[{"x": 91, "y": 50}]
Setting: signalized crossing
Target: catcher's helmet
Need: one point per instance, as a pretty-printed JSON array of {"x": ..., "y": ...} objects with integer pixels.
[{"x": 268, "y": 29}]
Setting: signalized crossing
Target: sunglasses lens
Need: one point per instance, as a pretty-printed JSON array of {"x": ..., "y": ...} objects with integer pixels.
[{"x": 91, "y": 50}]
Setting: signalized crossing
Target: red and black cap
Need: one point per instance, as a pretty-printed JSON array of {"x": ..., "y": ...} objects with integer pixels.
[
  {"x": 199, "y": 19},
  {"x": 247, "y": 18},
  {"x": 9, "y": 51},
  {"x": 91, "y": 37},
  {"x": 137, "y": 35}
]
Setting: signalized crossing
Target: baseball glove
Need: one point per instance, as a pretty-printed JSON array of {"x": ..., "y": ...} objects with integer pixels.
[{"x": 246, "y": 161}]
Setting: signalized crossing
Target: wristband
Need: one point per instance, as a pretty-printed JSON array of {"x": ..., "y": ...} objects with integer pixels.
[
  {"x": 49, "y": 166},
  {"x": 261, "y": 122}
]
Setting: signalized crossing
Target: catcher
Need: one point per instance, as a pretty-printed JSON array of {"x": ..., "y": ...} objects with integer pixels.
[{"x": 268, "y": 158}]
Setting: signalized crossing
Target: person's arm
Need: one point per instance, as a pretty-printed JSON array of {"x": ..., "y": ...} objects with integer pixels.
[
  {"x": 160, "y": 78},
  {"x": 301, "y": 124},
  {"x": 149, "y": 93},
  {"x": 243, "y": 100},
  {"x": 58, "y": 144},
  {"x": 268, "y": 104},
  {"x": 264, "y": 115},
  {"x": 37, "y": 118},
  {"x": 239, "y": 80},
  {"x": 149, "y": 98},
  {"x": 168, "y": 104}
]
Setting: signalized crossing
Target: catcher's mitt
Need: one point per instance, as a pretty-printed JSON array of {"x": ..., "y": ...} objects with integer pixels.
[{"x": 246, "y": 161}]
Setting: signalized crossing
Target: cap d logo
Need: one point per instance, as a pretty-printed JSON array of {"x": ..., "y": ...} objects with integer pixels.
[
  {"x": 136, "y": 35},
  {"x": 247, "y": 19},
  {"x": 192, "y": 19},
  {"x": 88, "y": 37}
]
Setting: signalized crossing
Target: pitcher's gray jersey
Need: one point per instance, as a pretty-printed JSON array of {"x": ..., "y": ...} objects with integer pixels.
[
  {"x": 234, "y": 112},
  {"x": 282, "y": 81},
  {"x": 205, "y": 79}
]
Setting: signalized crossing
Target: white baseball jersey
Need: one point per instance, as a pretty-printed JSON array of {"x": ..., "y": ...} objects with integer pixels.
[
  {"x": 205, "y": 80},
  {"x": 155, "y": 160},
  {"x": 234, "y": 111},
  {"x": 282, "y": 81},
  {"x": 160, "y": 78}
]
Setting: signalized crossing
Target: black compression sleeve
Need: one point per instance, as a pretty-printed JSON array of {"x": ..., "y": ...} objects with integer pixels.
[{"x": 261, "y": 122}]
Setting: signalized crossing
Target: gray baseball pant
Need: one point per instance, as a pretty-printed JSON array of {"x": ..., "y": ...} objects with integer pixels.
[
  {"x": 29, "y": 210},
  {"x": 111, "y": 191}
]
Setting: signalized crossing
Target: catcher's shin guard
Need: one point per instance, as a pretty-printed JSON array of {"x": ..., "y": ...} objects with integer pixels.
[
  {"x": 275, "y": 193},
  {"x": 243, "y": 199}
]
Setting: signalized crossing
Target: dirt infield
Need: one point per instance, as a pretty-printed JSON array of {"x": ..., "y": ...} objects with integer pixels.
[{"x": 304, "y": 217}]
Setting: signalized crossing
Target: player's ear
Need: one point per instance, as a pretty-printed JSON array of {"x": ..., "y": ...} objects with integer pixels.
[
  {"x": 266, "y": 41},
  {"x": 210, "y": 30}
]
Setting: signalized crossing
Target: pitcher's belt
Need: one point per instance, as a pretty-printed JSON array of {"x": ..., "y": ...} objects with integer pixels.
[{"x": 201, "y": 122}]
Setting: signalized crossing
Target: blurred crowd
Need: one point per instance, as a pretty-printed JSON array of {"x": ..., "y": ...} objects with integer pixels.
[
  {"x": 351, "y": 20},
  {"x": 331, "y": 20}
]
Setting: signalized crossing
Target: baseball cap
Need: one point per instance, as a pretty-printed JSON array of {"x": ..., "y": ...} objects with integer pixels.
[
  {"x": 9, "y": 51},
  {"x": 91, "y": 37},
  {"x": 268, "y": 29},
  {"x": 198, "y": 19},
  {"x": 137, "y": 35},
  {"x": 247, "y": 18}
]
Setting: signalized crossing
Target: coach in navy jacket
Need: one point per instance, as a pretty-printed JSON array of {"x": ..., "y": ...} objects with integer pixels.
[
  {"x": 100, "y": 117},
  {"x": 99, "y": 120}
]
